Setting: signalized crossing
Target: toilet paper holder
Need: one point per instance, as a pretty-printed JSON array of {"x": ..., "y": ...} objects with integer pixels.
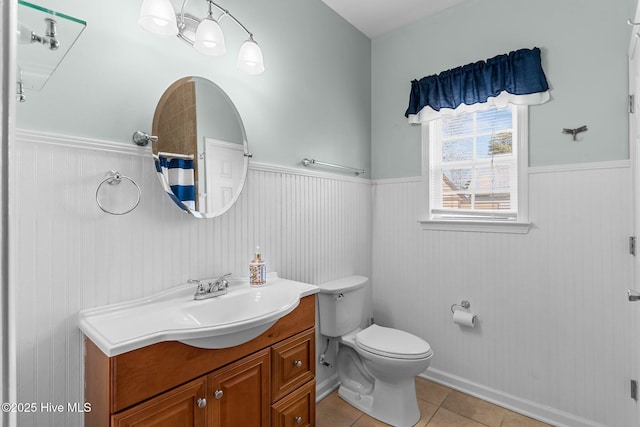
[{"x": 464, "y": 304}]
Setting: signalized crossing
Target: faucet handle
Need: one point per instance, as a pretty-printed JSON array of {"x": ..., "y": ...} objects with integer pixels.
[
  {"x": 200, "y": 290},
  {"x": 222, "y": 280}
]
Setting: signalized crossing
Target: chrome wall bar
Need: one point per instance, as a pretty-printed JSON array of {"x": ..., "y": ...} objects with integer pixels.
[{"x": 308, "y": 162}]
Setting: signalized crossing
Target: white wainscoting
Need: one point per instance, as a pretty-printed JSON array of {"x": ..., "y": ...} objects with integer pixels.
[
  {"x": 553, "y": 337},
  {"x": 66, "y": 254}
]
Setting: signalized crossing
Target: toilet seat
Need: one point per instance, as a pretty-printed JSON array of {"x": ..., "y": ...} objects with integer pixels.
[{"x": 392, "y": 343}]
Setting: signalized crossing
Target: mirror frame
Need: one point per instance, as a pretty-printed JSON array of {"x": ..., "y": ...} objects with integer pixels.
[{"x": 166, "y": 96}]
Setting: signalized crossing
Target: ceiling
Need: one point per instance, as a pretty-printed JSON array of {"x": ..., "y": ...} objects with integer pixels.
[{"x": 377, "y": 17}]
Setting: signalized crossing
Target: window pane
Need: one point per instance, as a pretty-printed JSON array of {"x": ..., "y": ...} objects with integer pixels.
[
  {"x": 493, "y": 120},
  {"x": 498, "y": 144},
  {"x": 494, "y": 179},
  {"x": 456, "y": 150},
  {"x": 494, "y": 202},
  {"x": 456, "y": 201},
  {"x": 461, "y": 124},
  {"x": 456, "y": 180}
]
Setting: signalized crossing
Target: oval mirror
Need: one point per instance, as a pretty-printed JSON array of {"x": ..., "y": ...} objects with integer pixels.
[{"x": 201, "y": 148}]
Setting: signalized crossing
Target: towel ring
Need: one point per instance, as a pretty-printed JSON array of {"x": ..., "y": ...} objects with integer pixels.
[{"x": 114, "y": 178}]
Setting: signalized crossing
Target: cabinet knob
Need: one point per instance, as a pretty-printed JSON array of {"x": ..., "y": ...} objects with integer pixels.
[
  {"x": 298, "y": 420},
  {"x": 202, "y": 402},
  {"x": 218, "y": 394},
  {"x": 298, "y": 363}
]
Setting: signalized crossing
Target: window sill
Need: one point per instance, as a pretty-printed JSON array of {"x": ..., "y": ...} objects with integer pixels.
[{"x": 476, "y": 226}]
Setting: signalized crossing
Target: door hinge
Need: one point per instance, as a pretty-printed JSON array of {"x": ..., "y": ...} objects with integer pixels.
[
  {"x": 634, "y": 390},
  {"x": 631, "y": 103},
  {"x": 632, "y": 245}
]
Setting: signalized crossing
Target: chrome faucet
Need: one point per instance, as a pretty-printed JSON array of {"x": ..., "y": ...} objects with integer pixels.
[{"x": 211, "y": 289}]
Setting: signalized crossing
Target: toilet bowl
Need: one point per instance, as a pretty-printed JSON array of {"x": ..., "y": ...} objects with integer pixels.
[{"x": 377, "y": 365}]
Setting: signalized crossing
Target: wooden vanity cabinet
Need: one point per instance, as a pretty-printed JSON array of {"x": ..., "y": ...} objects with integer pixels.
[
  {"x": 268, "y": 381},
  {"x": 239, "y": 393}
]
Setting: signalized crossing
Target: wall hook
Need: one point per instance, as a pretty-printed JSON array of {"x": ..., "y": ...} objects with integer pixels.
[{"x": 575, "y": 131}]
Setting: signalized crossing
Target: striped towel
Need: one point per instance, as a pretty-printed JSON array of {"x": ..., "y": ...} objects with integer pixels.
[{"x": 178, "y": 180}]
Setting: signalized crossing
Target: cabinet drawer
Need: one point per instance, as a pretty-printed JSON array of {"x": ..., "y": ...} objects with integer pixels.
[
  {"x": 293, "y": 363},
  {"x": 183, "y": 406},
  {"x": 297, "y": 409}
]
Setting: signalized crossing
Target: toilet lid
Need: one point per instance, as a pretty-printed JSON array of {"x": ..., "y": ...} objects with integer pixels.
[{"x": 392, "y": 343}]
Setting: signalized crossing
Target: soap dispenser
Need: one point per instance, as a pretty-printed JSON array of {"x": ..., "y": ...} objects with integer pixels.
[{"x": 257, "y": 270}]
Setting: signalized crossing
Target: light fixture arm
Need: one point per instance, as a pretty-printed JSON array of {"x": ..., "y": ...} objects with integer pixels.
[
  {"x": 225, "y": 12},
  {"x": 203, "y": 34}
]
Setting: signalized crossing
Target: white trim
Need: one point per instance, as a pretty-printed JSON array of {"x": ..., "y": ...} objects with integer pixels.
[
  {"x": 517, "y": 404},
  {"x": 8, "y": 331},
  {"x": 609, "y": 164},
  {"x": 267, "y": 167},
  {"x": 326, "y": 387},
  {"x": 520, "y": 126},
  {"x": 476, "y": 226},
  {"x": 23, "y": 135},
  {"x": 522, "y": 130},
  {"x": 404, "y": 180}
]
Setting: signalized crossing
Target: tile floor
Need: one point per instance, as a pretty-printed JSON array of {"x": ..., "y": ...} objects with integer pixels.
[{"x": 439, "y": 406}]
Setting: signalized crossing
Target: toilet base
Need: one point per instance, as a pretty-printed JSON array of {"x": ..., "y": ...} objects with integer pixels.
[{"x": 394, "y": 404}]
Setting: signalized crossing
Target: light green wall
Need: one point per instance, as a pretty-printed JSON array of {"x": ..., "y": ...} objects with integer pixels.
[
  {"x": 313, "y": 101},
  {"x": 584, "y": 54}
]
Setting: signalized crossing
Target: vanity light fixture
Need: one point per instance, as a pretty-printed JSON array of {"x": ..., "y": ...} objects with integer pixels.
[{"x": 204, "y": 35}]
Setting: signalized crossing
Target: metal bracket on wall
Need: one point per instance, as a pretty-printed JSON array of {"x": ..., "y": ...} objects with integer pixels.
[{"x": 575, "y": 131}]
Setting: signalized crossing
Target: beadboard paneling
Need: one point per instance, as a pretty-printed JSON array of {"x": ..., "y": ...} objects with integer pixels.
[
  {"x": 554, "y": 328},
  {"x": 552, "y": 338},
  {"x": 68, "y": 255}
]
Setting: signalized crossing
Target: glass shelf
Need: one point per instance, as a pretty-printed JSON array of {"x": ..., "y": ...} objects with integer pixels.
[{"x": 39, "y": 52}]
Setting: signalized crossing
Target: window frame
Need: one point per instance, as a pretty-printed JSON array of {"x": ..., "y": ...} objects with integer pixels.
[{"x": 521, "y": 223}]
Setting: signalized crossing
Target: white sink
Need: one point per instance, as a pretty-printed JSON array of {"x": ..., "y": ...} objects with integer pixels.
[{"x": 173, "y": 315}]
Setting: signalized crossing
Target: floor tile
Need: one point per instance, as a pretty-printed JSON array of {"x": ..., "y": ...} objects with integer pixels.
[
  {"x": 439, "y": 406},
  {"x": 427, "y": 411},
  {"x": 332, "y": 411},
  {"x": 447, "y": 418},
  {"x": 516, "y": 420},
  {"x": 367, "y": 421},
  {"x": 474, "y": 408},
  {"x": 431, "y": 392}
]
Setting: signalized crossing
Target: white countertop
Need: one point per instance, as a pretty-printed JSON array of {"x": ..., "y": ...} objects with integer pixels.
[{"x": 173, "y": 315}]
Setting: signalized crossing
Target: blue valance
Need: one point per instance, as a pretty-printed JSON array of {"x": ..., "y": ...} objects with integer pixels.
[{"x": 515, "y": 78}]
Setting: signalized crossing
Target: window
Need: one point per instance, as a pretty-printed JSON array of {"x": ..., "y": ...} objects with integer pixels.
[{"x": 475, "y": 170}]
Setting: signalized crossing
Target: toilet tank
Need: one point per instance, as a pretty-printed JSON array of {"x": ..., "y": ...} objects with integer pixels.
[{"x": 341, "y": 305}]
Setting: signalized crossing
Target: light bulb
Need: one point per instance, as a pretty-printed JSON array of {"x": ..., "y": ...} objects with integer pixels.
[
  {"x": 250, "y": 60},
  {"x": 209, "y": 38},
  {"x": 158, "y": 17}
]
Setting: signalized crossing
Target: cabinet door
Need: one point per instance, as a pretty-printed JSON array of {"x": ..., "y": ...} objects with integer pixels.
[
  {"x": 297, "y": 409},
  {"x": 293, "y": 363},
  {"x": 184, "y": 406},
  {"x": 239, "y": 393}
]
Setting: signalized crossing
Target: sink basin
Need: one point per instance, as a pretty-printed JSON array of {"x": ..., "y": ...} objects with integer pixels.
[{"x": 224, "y": 321}]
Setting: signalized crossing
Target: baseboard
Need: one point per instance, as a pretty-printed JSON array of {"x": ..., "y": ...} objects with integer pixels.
[
  {"x": 326, "y": 387},
  {"x": 522, "y": 406}
]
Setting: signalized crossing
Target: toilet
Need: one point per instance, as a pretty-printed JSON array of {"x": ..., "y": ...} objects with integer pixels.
[{"x": 377, "y": 366}]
